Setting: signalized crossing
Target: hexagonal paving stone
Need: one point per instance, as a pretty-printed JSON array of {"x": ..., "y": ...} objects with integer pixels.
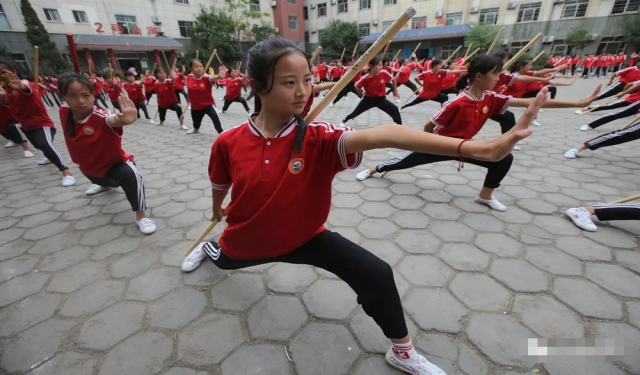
[
  {"x": 31, "y": 210},
  {"x": 76, "y": 277},
  {"x": 46, "y": 230},
  {"x": 377, "y": 228},
  {"x": 501, "y": 338},
  {"x": 633, "y": 308},
  {"x": 121, "y": 245},
  {"x": 471, "y": 362},
  {"x": 55, "y": 243},
  {"x": 330, "y": 299},
  {"x": 140, "y": 354},
  {"x": 621, "y": 333},
  {"x": 39, "y": 219},
  {"x": 92, "y": 298},
  {"x": 206, "y": 275},
  {"x": 385, "y": 250},
  {"x": 253, "y": 359},
  {"x": 133, "y": 264},
  {"x": 17, "y": 266},
  {"x": 21, "y": 287},
  {"x": 93, "y": 221},
  {"x": 438, "y": 345},
  {"x": 519, "y": 275},
  {"x": 558, "y": 368},
  {"x": 583, "y": 248},
  {"x": 629, "y": 259},
  {"x": 406, "y": 202},
  {"x": 480, "y": 292},
  {"x": 513, "y": 215},
  {"x": 547, "y": 317},
  {"x": 68, "y": 363},
  {"x": 464, "y": 257},
  {"x": 499, "y": 244},
  {"x": 483, "y": 222},
  {"x": 425, "y": 270},
  {"x": 13, "y": 249},
  {"x": 374, "y": 366},
  {"x": 184, "y": 371},
  {"x": 238, "y": 292},
  {"x": 375, "y": 194},
  {"x": 587, "y": 298},
  {"x": 111, "y": 326},
  {"x": 556, "y": 225},
  {"x": 339, "y": 349},
  {"x": 452, "y": 231},
  {"x": 153, "y": 284},
  {"x": 177, "y": 309},
  {"x": 614, "y": 278},
  {"x": 276, "y": 318},
  {"x": 370, "y": 335},
  {"x": 554, "y": 261},
  {"x": 441, "y": 211},
  {"x": 377, "y": 209},
  {"x": 404, "y": 189},
  {"x": 418, "y": 242},
  {"x": 346, "y": 200},
  {"x": 101, "y": 235},
  {"x": 64, "y": 258},
  {"x": 537, "y": 206},
  {"x": 344, "y": 217},
  {"x": 28, "y": 313},
  {"x": 411, "y": 220},
  {"x": 217, "y": 335},
  {"x": 35, "y": 345},
  {"x": 348, "y": 187},
  {"x": 613, "y": 237},
  {"x": 290, "y": 278},
  {"x": 442, "y": 313}
]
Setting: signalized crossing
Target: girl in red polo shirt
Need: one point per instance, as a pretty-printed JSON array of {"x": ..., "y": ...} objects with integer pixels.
[
  {"x": 200, "y": 97},
  {"x": 234, "y": 91},
  {"x": 27, "y": 107},
  {"x": 350, "y": 87},
  {"x": 9, "y": 129},
  {"x": 374, "y": 85},
  {"x": 134, "y": 91},
  {"x": 149, "y": 82},
  {"x": 403, "y": 77},
  {"x": 463, "y": 117},
  {"x": 97, "y": 89},
  {"x": 178, "y": 85},
  {"x": 432, "y": 83},
  {"x": 167, "y": 98},
  {"x": 281, "y": 169},
  {"x": 93, "y": 137},
  {"x": 627, "y": 76},
  {"x": 114, "y": 90},
  {"x": 630, "y": 106}
]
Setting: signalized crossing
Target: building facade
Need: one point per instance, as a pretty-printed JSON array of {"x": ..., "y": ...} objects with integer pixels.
[{"x": 440, "y": 25}]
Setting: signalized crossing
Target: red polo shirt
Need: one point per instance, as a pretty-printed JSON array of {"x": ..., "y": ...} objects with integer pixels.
[
  {"x": 234, "y": 88},
  {"x": 134, "y": 90},
  {"x": 200, "y": 91},
  {"x": 629, "y": 75},
  {"x": 278, "y": 201},
  {"x": 404, "y": 74},
  {"x": 375, "y": 86},
  {"x": 431, "y": 83},
  {"x": 28, "y": 108}
]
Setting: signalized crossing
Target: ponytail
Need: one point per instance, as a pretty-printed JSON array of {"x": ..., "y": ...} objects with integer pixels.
[{"x": 302, "y": 131}]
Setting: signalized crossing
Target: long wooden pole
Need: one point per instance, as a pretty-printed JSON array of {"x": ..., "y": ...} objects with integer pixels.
[
  {"x": 416, "y": 49},
  {"x": 627, "y": 199},
  {"x": 218, "y": 58},
  {"x": 315, "y": 55},
  {"x": 596, "y": 107},
  {"x": 36, "y": 59},
  {"x": 210, "y": 60},
  {"x": 451, "y": 55},
  {"x": 495, "y": 41},
  {"x": 468, "y": 49},
  {"x": 197, "y": 54},
  {"x": 632, "y": 122},
  {"x": 537, "y": 57},
  {"x": 355, "y": 49},
  {"x": 522, "y": 51},
  {"x": 342, "y": 56},
  {"x": 386, "y": 48},
  {"x": 470, "y": 56},
  {"x": 396, "y": 56},
  {"x": 165, "y": 60}
]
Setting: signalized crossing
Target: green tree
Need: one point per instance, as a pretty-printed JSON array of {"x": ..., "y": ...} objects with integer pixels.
[
  {"x": 339, "y": 35},
  {"x": 580, "y": 38},
  {"x": 631, "y": 27},
  {"x": 242, "y": 16},
  {"x": 261, "y": 31},
  {"x": 481, "y": 36},
  {"x": 214, "y": 29},
  {"x": 37, "y": 35}
]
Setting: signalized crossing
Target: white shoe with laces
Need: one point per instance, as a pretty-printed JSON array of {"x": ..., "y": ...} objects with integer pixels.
[
  {"x": 331, "y": 105},
  {"x": 516, "y": 148},
  {"x": 193, "y": 131},
  {"x": 535, "y": 123},
  {"x": 417, "y": 366},
  {"x": 68, "y": 181},
  {"x": 581, "y": 218},
  {"x": 363, "y": 175},
  {"x": 342, "y": 125},
  {"x": 28, "y": 154},
  {"x": 44, "y": 161},
  {"x": 184, "y": 127},
  {"x": 493, "y": 203},
  {"x": 10, "y": 144},
  {"x": 152, "y": 122},
  {"x": 577, "y": 112},
  {"x": 146, "y": 225},
  {"x": 95, "y": 189},
  {"x": 193, "y": 260},
  {"x": 585, "y": 128},
  {"x": 572, "y": 154}
]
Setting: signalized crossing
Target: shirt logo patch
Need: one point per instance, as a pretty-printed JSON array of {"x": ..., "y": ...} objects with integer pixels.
[
  {"x": 485, "y": 109},
  {"x": 296, "y": 165},
  {"x": 88, "y": 130},
  {"x": 14, "y": 93},
  {"x": 202, "y": 85}
]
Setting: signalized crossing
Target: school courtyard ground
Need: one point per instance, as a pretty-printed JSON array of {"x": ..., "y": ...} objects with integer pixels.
[{"x": 83, "y": 292}]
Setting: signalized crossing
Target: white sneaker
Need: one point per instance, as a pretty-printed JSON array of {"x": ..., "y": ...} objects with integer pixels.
[
  {"x": 541, "y": 110},
  {"x": 418, "y": 366},
  {"x": 95, "y": 189},
  {"x": 345, "y": 98},
  {"x": 159, "y": 123},
  {"x": 184, "y": 127},
  {"x": 535, "y": 123},
  {"x": 572, "y": 154},
  {"x": 363, "y": 175},
  {"x": 146, "y": 225},
  {"x": 577, "y": 112},
  {"x": 193, "y": 260},
  {"x": 152, "y": 122},
  {"x": 10, "y": 144},
  {"x": 28, "y": 154},
  {"x": 585, "y": 128},
  {"x": 493, "y": 203},
  {"x": 193, "y": 131},
  {"x": 68, "y": 181},
  {"x": 44, "y": 161},
  {"x": 331, "y": 105},
  {"x": 397, "y": 101},
  {"x": 516, "y": 148},
  {"x": 581, "y": 218},
  {"x": 342, "y": 125}
]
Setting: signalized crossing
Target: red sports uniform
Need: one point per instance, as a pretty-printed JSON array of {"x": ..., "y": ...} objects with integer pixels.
[
  {"x": 6, "y": 118},
  {"x": 150, "y": 84},
  {"x": 322, "y": 71},
  {"x": 431, "y": 83},
  {"x": 336, "y": 72},
  {"x": 517, "y": 88},
  {"x": 374, "y": 87},
  {"x": 134, "y": 91},
  {"x": 178, "y": 83},
  {"x": 200, "y": 91},
  {"x": 404, "y": 74},
  {"x": 629, "y": 75},
  {"x": 506, "y": 79},
  {"x": 113, "y": 91},
  {"x": 166, "y": 93},
  {"x": 234, "y": 88},
  {"x": 28, "y": 108}
]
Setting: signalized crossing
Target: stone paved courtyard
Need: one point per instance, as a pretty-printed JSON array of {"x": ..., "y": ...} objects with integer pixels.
[{"x": 83, "y": 292}]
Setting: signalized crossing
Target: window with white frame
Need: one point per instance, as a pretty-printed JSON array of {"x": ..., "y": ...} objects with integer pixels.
[
  {"x": 365, "y": 29},
  {"x": 184, "y": 27},
  {"x": 560, "y": 48},
  {"x": 186, "y": 2},
  {"x": 575, "y": 8},
  {"x": 386, "y": 25},
  {"x": 322, "y": 10},
  {"x": 343, "y": 6},
  {"x": 625, "y": 6},
  {"x": 51, "y": 14},
  {"x": 612, "y": 44},
  {"x": 365, "y": 4},
  {"x": 293, "y": 22},
  {"x": 517, "y": 46},
  {"x": 80, "y": 16},
  {"x": 419, "y": 22},
  {"x": 489, "y": 15},
  {"x": 4, "y": 21},
  {"x": 390, "y": 2},
  {"x": 126, "y": 22},
  {"x": 529, "y": 12},
  {"x": 254, "y": 5},
  {"x": 321, "y": 34},
  {"x": 447, "y": 51},
  {"x": 454, "y": 18},
  {"x": 21, "y": 61}
]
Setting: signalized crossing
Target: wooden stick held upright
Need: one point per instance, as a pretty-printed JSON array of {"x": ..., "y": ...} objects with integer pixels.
[
  {"x": 537, "y": 57},
  {"x": 197, "y": 54},
  {"x": 468, "y": 49},
  {"x": 416, "y": 49},
  {"x": 495, "y": 41},
  {"x": 522, "y": 51},
  {"x": 342, "y": 56},
  {"x": 396, "y": 56},
  {"x": 165, "y": 60},
  {"x": 451, "y": 56},
  {"x": 355, "y": 49},
  {"x": 386, "y": 48},
  {"x": 36, "y": 58},
  {"x": 315, "y": 55},
  {"x": 470, "y": 56}
]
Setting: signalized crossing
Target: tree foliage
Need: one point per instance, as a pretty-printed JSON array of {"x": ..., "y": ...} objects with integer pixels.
[
  {"x": 37, "y": 35},
  {"x": 631, "y": 27},
  {"x": 339, "y": 35},
  {"x": 242, "y": 16},
  {"x": 214, "y": 29},
  {"x": 580, "y": 38},
  {"x": 481, "y": 36},
  {"x": 261, "y": 31}
]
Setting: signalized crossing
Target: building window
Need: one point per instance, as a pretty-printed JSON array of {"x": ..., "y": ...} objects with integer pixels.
[
  {"x": 185, "y": 2},
  {"x": 126, "y": 23},
  {"x": 322, "y": 10},
  {"x": 365, "y": 29},
  {"x": 291, "y": 1},
  {"x": 305, "y": 13},
  {"x": 529, "y": 12},
  {"x": 489, "y": 15},
  {"x": 306, "y": 37},
  {"x": 454, "y": 18},
  {"x": 390, "y": 2},
  {"x": 254, "y": 5},
  {"x": 447, "y": 51},
  {"x": 419, "y": 23},
  {"x": 320, "y": 34},
  {"x": 4, "y": 22},
  {"x": 386, "y": 25},
  {"x": 389, "y": 55},
  {"x": 624, "y": 6},
  {"x": 184, "y": 27},
  {"x": 575, "y": 8},
  {"x": 517, "y": 46},
  {"x": 293, "y": 22},
  {"x": 612, "y": 44},
  {"x": 51, "y": 14},
  {"x": 21, "y": 61},
  {"x": 342, "y": 6},
  {"x": 365, "y": 4}
]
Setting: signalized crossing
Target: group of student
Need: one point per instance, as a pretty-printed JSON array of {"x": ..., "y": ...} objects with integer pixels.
[{"x": 597, "y": 66}]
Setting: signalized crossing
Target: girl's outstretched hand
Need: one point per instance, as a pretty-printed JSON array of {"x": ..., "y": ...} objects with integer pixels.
[{"x": 128, "y": 113}]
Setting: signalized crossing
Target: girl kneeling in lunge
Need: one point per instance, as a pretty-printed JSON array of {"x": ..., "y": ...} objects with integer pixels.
[
  {"x": 93, "y": 137},
  {"x": 281, "y": 169}
]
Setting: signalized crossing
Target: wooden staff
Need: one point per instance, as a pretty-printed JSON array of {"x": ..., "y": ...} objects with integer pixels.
[
  {"x": 165, "y": 59},
  {"x": 470, "y": 56},
  {"x": 355, "y": 49},
  {"x": 632, "y": 122},
  {"x": 239, "y": 65},
  {"x": 315, "y": 55},
  {"x": 110, "y": 71},
  {"x": 195, "y": 243},
  {"x": 451, "y": 55},
  {"x": 396, "y": 56},
  {"x": 218, "y": 58},
  {"x": 627, "y": 199},
  {"x": 537, "y": 57},
  {"x": 197, "y": 53},
  {"x": 386, "y": 48},
  {"x": 416, "y": 49},
  {"x": 596, "y": 107},
  {"x": 89, "y": 61},
  {"x": 184, "y": 110},
  {"x": 522, "y": 51},
  {"x": 36, "y": 58},
  {"x": 468, "y": 49},
  {"x": 495, "y": 41},
  {"x": 342, "y": 56}
]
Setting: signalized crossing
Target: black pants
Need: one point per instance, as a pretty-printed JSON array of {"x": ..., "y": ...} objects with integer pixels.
[
  {"x": 369, "y": 276},
  {"x": 148, "y": 95},
  {"x": 47, "y": 100},
  {"x": 42, "y": 139},
  {"x": 116, "y": 105},
  {"x": 174, "y": 107},
  {"x": 507, "y": 120},
  {"x": 127, "y": 176},
  {"x": 13, "y": 134},
  {"x": 409, "y": 84},
  {"x": 100, "y": 98},
  {"x": 573, "y": 69},
  {"x": 615, "y": 137},
  {"x": 379, "y": 102},
  {"x": 350, "y": 87},
  {"x": 143, "y": 107},
  {"x": 532, "y": 94},
  {"x": 617, "y": 211},
  {"x": 586, "y": 72},
  {"x": 239, "y": 99},
  {"x": 629, "y": 110},
  {"x": 198, "y": 115},
  {"x": 440, "y": 98},
  {"x": 184, "y": 93},
  {"x": 56, "y": 98},
  {"x": 450, "y": 90},
  {"x": 611, "y": 90},
  {"x": 496, "y": 170},
  {"x": 615, "y": 105}
]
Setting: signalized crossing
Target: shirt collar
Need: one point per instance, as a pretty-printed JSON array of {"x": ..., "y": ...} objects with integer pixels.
[
  {"x": 286, "y": 130},
  {"x": 84, "y": 121},
  {"x": 465, "y": 92}
]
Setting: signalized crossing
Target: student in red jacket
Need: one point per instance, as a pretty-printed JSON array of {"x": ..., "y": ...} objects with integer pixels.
[
  {"x": 350, "y": 87},
  {"x": 432, "y": 83},
  {"x": 149, "y": 82},
  {"x": 234, "y": 91},
  {"x": 323, "y": 69},
  {"x": 575, "y": 62},
  {"x": 114, "y": 90},
  {"x": 178, "y": 85},
  {"x": 403, "y": 77},
  {"x": 9, "y": 129},
  {"x": 167, "y": 99},
  {"x": 627, "y": 76},
  {"x": 619, "y": 61},
  {"x": 588, "y": 63},
  {"x": 93, "y": 138},
  {"x": 201, "y": 99},
  {"x": 134, "y": 91}
]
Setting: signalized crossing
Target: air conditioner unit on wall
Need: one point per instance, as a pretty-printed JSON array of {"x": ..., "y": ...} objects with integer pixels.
[
  {"x": 156, "y": 20},
  {"x": 439, "y": 14},
  {"x": 593, "y": 36},
  {"x": 474, "y": 10},
  {"x": 375, "y": 22},
  {"x": 273, "y": 4},
  {"x": 313, "y": 6},
  {"x": 314, "y": 30},
  {"x": 504, "y": 42},
  {"x": 558, "y": 1},
  {"x": 512, "y": 5},
  {"x": 548, "y": 39},
  {"x": 333, "y": 2}
]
